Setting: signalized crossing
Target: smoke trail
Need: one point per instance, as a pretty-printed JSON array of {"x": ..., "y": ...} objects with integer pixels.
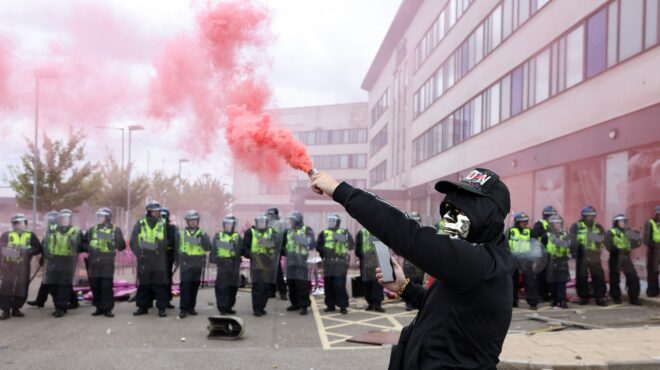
[
  {"x": 5, "y": 69},
  {"x": 212, "y": 76}
]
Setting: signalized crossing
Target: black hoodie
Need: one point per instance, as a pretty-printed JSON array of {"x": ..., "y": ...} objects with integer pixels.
[{"x": 465, "y": 314}]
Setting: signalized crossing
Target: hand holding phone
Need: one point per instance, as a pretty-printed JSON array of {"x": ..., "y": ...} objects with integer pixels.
[{"x": 384, "y": 262}]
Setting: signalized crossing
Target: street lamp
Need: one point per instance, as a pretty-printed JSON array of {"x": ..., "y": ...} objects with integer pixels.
[
  {"x": 128, "y": 175},
  {"x": 182, "y": 160},
  {"x": 122, "y": 129},
  {"x": 39, "y": 74}
]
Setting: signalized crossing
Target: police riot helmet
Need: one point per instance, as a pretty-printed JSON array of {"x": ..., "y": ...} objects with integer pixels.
[
  {"x": 520, "y": 217},
  {"x": 296, "y": 220},
  {"x": 273, "y": 213},
  {"x": 153, "y": 206},
  {"x": 261, "y": 222},
  {"x": 334, "y": 221},
  {"x": 51, "y": 218},
  {"x": 103, "y": 215},
  {"x": 656, "y": 210},
  {"x": 229, "y": 224},
  {"x": 19, "y": 222},
  {"x": 620, "y": 220},
  {"x": 165, "y": 213},
  {"x": 556, "y": 222},
  {"x": 64, "y": 217},
  {"x": 415, "y": 216},
  {"x": 588, "y": 211},
  {"x": 191, "y": 215},
  {"x": 549, "y": 211}
]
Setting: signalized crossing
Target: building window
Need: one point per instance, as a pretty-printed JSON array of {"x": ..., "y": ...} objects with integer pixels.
[
  {"x": 340, "y": 161},
  {"x": 324, "y": 137},
  {"x": 496, "y": 27},
  {"x": 574, "y": 56},
  {"x": 380, "y": 107},
  {"x": 577, "y": 55},
  {"x": 597, "y": 43},
  {"x": 378, "y": 174},
  {"x": 630, "y": 40},
  {"x": 652, "y": 34},
  {"x": 379, "y": 141}
]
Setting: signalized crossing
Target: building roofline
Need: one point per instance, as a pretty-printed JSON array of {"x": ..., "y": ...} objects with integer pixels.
[{"x": 403, "y": 18}]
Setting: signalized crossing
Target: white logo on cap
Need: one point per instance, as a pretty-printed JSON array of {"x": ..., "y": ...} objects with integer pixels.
[{"x": 478, "y": 177}]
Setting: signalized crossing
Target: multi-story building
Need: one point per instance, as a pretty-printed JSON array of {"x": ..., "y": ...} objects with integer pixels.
[
  {"x": 559, "y": 97},
  {"x": 336, "y": 139}
]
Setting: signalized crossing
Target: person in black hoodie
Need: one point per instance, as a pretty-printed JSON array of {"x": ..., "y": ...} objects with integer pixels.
[{"x": 465, "y": 314}]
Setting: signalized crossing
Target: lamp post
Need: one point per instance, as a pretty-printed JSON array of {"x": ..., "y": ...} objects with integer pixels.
[
  {"x": 122, "y": 129},
  {"x": 182, "y": 160},
  {"x": 128, "y": 174},
  {"x": 38, "y": 76}
]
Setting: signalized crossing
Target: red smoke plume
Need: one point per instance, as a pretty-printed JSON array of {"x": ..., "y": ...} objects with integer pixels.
[
  {"x": 5, "y": 68},
  {"x": 213, "y": 75}
]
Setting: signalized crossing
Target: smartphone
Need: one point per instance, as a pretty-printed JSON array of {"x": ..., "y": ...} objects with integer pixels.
[{"x": 384, "y": 261}]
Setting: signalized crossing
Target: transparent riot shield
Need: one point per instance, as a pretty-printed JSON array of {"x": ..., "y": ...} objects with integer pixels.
[
  {"x": 263, "y": 262},
  {"x": 532, "y": 259},
  {"x": 101, "y": 260},
  {"x": 61, "y": 259},
  {"x": 634, "y": 236},
  {"x": 298, "y": 250},
  {"x": 558, "y": 270},
  {"x": 369, "y": 260},
  {"x": 14, "y": 271},
  {"x": 227, "y": 258}
]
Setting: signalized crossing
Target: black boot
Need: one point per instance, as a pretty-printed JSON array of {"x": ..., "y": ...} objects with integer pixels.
[
  {"x": 183, "y": 314},
  {"x": 329, "y": 309},
  {"x": 303, "y": 311},
  {"x": 292, "y": 308},
  {"x": 109, "y": 313},
  {"x": 192, "y": 312},
  {"x": 601, "y": 302},
  {"x": 370, "y": 307},
  {"x": 379, "y": 308},
  {"x": 231, "y": 312},
  {"x": 17, "y": 313},
  {"x": 635, "y": 301},
  {"x": 617, "y": 300},
  {"x": 343, "y": 311},
  {"x": 98, "y": 312},
  {"x": 58, "y": 313},
  {"x": 5, "y": 315},
  {"x": 35, "y": 304},
  {"x": 162, "y": 313},
  {"x": 141, "y": 311}
]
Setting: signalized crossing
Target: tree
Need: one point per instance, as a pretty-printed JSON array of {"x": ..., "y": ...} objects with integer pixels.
[
  {"x": 113, "y": 187},
  {"x": 64, "y": 179}
]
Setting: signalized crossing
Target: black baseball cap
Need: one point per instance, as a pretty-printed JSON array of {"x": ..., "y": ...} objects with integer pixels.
[{"x": 481, "y": 182}]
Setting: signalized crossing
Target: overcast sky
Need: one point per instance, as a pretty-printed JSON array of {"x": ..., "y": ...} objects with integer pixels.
[{"x": 321, "y": 52}]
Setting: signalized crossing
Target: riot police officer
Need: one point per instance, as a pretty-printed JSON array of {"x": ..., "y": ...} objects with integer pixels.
[
  {"x": 193, "y": 243},
  {"x": 365, "y": 250},
  {"x": 298, "y": 241},
  {"x": 149, "y": 245},
  {"x": 279, "y": 226},
  {"x": 619, "y": 240},
  {"x": 519, "y": 243},
  {"x": 414, "y": 273},
  {"x": 586, "y": 242},
  {"x": 49, "y": 236},
  {"x": 259, "y": 245},
  {"x": 226, "y": 254},
  {"x": 102, "y": 241},
  {"x": 61, "y": 257},
  {"x": 334, "y": 244},
  {"x": 651, "y": 236},
  {"x": 17, "y": 247},
  {"x": 558, "y": 247},
  {"x": 540, "y": 233}
]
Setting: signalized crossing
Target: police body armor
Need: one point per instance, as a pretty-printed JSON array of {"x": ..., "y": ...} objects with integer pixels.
[
  {"x": 528, "y": 253},
  {"x": 558, "y": 248},
  {"x": 335, "y": 252},
  {"x": 226, "y": 254},
  {"x": 369, "y": 260},
  {"x": 152, "y": 246},
  {"x": 15, "y": 264},
  {"x": 298, "y": 244},
  {"x": 61, "y": 256},
  {"x": 264, "y": 255},
  {"x": 102, "y": 248},
  {"x": 191, "y": 251},
  {"x": 622, "y": 244},
  {"x": 590, "y": 240}
]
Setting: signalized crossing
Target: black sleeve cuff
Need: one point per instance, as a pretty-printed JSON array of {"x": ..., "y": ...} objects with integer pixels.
[
  {"x": 341, "y": 193},
  {"x": 411, "y": 292}
]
